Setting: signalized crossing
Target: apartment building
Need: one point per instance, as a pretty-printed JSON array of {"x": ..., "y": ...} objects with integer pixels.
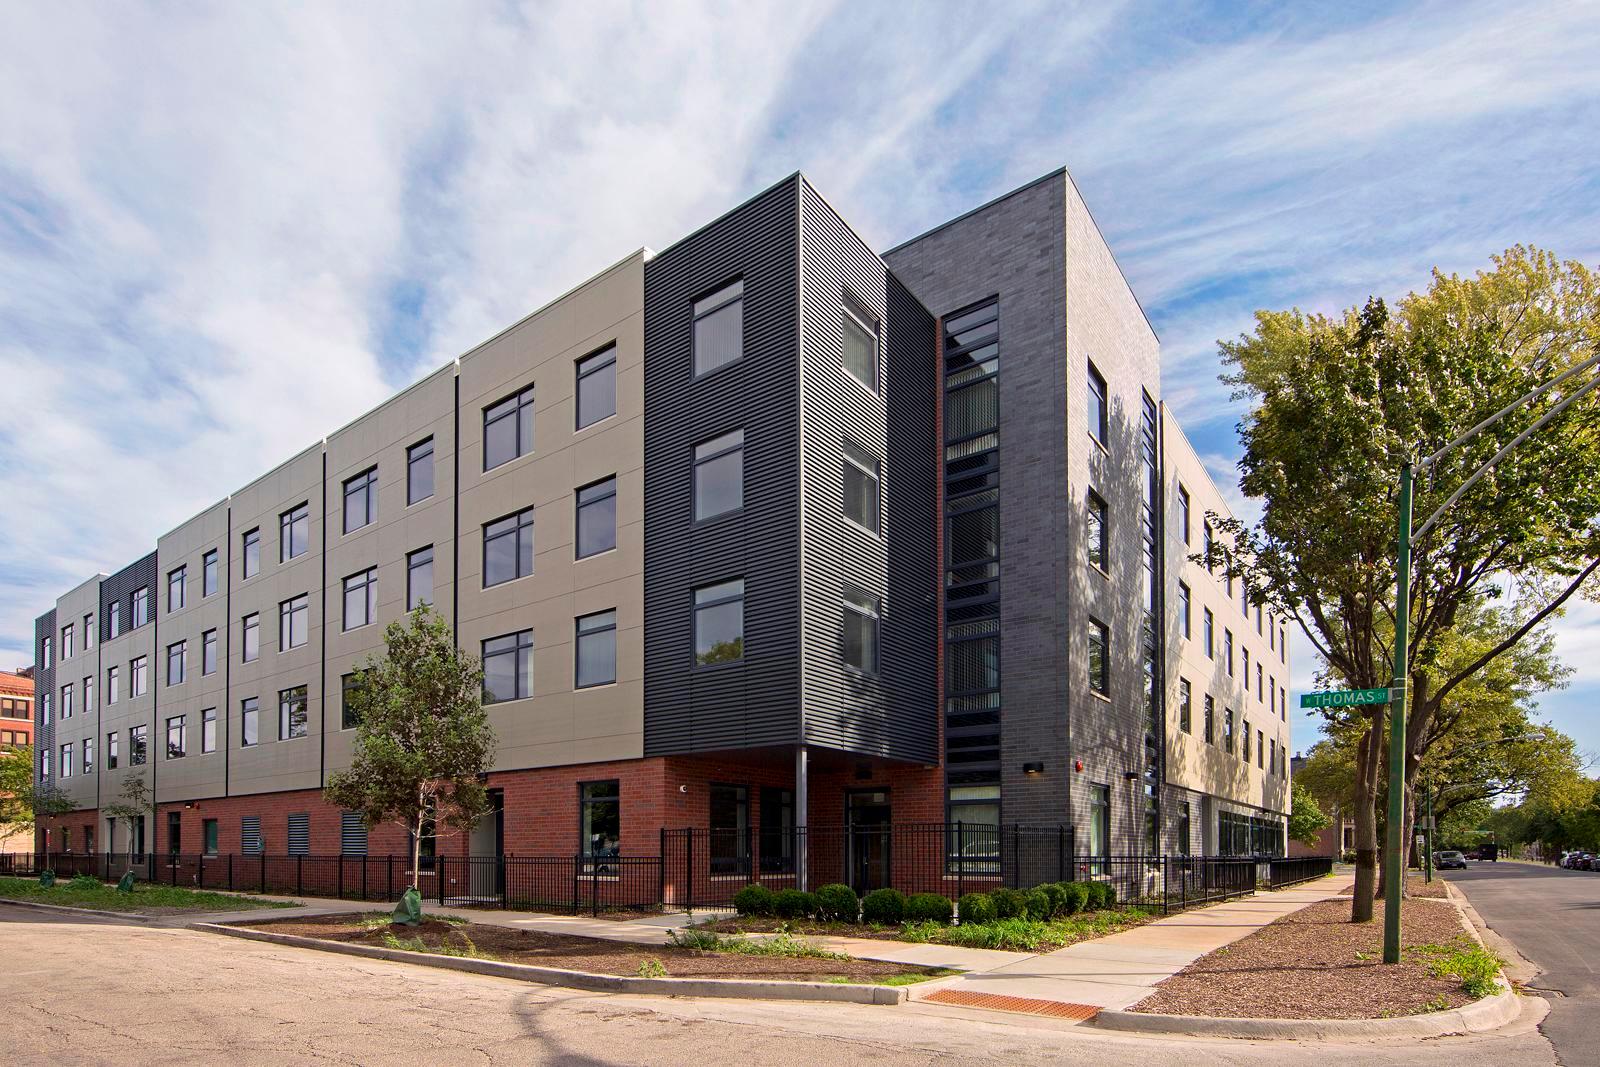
[{"x": 761, "y": 531}]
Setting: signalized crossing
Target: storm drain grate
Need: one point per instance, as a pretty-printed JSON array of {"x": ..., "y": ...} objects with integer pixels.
[{"x": 1055, "y": 1009}]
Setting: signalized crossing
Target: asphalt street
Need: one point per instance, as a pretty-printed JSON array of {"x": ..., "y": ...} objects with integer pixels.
[
  {"x": 1553, "y": 917},
  {"x": 117, "y": 992}
]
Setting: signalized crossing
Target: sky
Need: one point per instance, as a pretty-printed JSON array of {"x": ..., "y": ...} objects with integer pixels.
[{"x": 227, "y": 230}]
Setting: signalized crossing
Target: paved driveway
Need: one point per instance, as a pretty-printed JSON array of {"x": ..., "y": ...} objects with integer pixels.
[{"x": 109, "y": 991}]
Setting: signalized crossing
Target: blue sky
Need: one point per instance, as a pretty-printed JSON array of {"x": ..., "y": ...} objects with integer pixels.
[{"x": 227, "y": 230}]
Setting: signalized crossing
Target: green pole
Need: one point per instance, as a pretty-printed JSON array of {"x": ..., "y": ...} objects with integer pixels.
[
  {"x": 1428, "y": 859},
  {"x": 1397, "y": 728}
]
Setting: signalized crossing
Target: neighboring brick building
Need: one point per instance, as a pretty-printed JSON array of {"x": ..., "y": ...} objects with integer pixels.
[
  {"x": 741, "y": 528},
  {"x": 16, "y": 728}
]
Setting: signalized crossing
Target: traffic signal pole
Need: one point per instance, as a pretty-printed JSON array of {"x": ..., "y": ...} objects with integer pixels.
[{"x": 1395, "y": 880}]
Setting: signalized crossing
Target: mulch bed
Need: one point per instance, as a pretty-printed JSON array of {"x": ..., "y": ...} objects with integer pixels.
[
  {"x": 589, "y": 954},
  {"x": 1416, "y": 886},
  {"x": 1309, "y": 965}
]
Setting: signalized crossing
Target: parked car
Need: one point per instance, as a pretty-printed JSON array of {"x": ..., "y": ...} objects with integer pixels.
[
  {"x": 1449, "y": 860},
  {"x": 1474, "y": 855}
]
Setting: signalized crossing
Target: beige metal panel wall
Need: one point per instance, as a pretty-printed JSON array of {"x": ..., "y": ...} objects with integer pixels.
[
  {"x": 1191, "y": 763},
  {"x": 197, "y": 773},
  {"x": 129, "y": 710},
  {"x": 382, "y": 438},
  {"x": 74, "y": 670},
  {"x": 559, "y": 724},
  {"x": 272, "y": 764}
]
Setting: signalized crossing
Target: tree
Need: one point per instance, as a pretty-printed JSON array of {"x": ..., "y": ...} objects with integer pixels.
[
  {"x": 1306, "y": 819},
  {"x": 23, "y": 801},
  {"x": 423, "y": 741},
  {"x": 134, "y": 804},
  {"x": 1337, "y": 404}
]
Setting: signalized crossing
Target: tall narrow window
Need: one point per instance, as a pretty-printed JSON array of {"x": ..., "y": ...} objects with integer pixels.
[
  {"x": 66, "y": 701},
  {"x": 208, "y": 652},
  {"x": 361, "y": 598},
  {"x": 1185, "y": 706},
  {"x": 66, "y": 641},
  {"x": 596, "y": 655},
  {"x": 1227, "y": 649},
  {"x": 599, "y": 819},
  {"x": 719, "y": 475},
  {"x": 729, "y": 844},
  {"x": 860, "y": 631},
  {"x": 1183, "y": 513},
  {"x": 1211, "y": 720},
  {"x": 861, "y": 487},
  {"x": 177, "y": 660},
  {"x": 419, "y": 471},
  {"x": 113, "y": 677},
  {"x": 113, "y": 628},
  {"x": 45, "y": 657},
  {"x": 1245, "y": 730},
  {"x": 861, "y": 345},
  {"x": 1244, "y": 651},
  {"x": 1095, "y": 531},
  {"x": 88, "y": 695},
  {"x": 361, "y": 500},
  {"x": 1099, "y": 665},
  {"x": 294, "y": 622},
  {"x": 508, "y": 667},
  {"x": 66, "y": 760},
  {"x": 249, "y": 722},
  {"x": 250, "y": 564},
  {"x": 1098, "y": 416},
  {"x": 141, "y": 607},
  {"x": 597, "y": 386},
  {"x": 208, "y": 730},
  {"x": 597, "y": 518},
  {"x": 88, "y": 632},
  {"x": 111, "y": 750},
  {"x": 250, "y": 637},
  {"x": 139, "y": 677},
  {"x": 508, "y": 429},
  {"x": 208, "y": 836},
  {"x": 719, "y": 328},
  {"x": 176, "y": 581},
  {"x": 349, "y": 690},
  {"x": 419, "y": 578},
  {"x": 1183, "y": 609},
  {"x": 208, "y": 573},
  {"x": 138, "y": 745},
  {"x": 177, "y": 737},
  {"x": 292, "y": 712},
  {"x": 508, "y": 548},
  {"x": 719, "y": 623},
  {"x": 294, "y": 532},
  {"x": 1227, "y": 729},
  {"x": 88, "y": 755},
  {"x": 1099, "y": 820}
]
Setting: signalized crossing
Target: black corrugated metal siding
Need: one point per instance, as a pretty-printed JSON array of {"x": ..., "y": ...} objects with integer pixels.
[
  {"x": 44, "y": 681},
  {"x": 119, "y": 588},
  {"x": 757, "y": 701},
  {"x": 895, "y": 713}
]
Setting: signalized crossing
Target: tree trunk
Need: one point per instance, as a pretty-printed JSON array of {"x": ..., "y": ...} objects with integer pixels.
[
  {"x": 1369, "y": 752},
  {"x": 416, "y": 851}
]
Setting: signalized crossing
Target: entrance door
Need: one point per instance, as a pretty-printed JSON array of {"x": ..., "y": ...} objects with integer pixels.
[
  {"x": 867, "y": 830},
  {"x": 485, "y": 847}
]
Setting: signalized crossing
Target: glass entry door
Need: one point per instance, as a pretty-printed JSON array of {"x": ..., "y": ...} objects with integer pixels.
[{"x": 868, "y": 839}]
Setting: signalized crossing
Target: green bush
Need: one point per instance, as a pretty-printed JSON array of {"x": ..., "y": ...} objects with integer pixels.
[
  {"x": 976, "y": 908},
  {"x": 85, "y": 881},
  {"x": 886, "y": 906},
  {"x": 793, "y": 904},
  {"x": 1009, "y": 904},
  {"x": 1077, "y": 894},
  {"x": 1057, "y": 893},
  {"x": 1475, "y": 967},
  {"x": 1017, "y": 935},
  {"x": 753, "y": 900},
  {"x": 1101, "y": 895},
  {"x": 1037, "y": 902},
  {"x": 838, "y": 903},
  {"x": 928, "y": 907}
]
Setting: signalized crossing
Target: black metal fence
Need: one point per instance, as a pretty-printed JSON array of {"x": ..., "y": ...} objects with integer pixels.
[{"x": 1285, "y": 871}]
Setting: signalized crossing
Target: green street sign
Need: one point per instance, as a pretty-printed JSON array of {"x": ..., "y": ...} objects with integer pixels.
[{"x": 1344, "y": 698}]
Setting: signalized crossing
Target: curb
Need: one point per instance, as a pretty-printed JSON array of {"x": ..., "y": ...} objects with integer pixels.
[
  {"x": 134, "y": 916},
  {"x": 730, "y": 988},
  {"x": 1480, "y": 1016}
]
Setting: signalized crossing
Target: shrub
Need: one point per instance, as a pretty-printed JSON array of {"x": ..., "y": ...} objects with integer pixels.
[
  {"x": 85, "y": 881},
  {"x": 1108, "y": 895},
  {"x": 1057, "y": 892},
  {"x": 753, "y": 900},
  {"x": 838, "y": 903},
  {"x": 977, "y": 908},
  {"x": 886, "y": 906},
  {"x": 1096, "y": 898},
  {"x": 1008, "y": 904},
  {"x": 1077, "y": 894},
  {"x": 793, "y": 903},
  {"x": 928, "y": 907},
  {"x": 1017, "y": 935},
  {"x": 1037, "y": 901}
]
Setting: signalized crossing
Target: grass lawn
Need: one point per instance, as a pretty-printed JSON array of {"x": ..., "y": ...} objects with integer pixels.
[{"x": 145, "y": 899}]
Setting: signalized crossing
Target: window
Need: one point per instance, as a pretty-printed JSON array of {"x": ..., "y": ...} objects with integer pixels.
[
  {"x": 208, "y": 652},
  {"x": 777, "y": 830},
  {"x": 596, "y": 658},
  {"x": 599, "y": 819},
  {"x": 113, "y": 628},
  {"x": 1227, "y": 649},
  {"x": 1099, "y": 819},
  {"x": 66, "y": 641},
  {"x": 208, "y": 836},
  {"x": 252, "y": 553},
  {"x": 597, "y": 518},
  {"x": 861, "y": 346},
  {"x": 352, "y": 834},
  {"x": 299, "y": 832},
  {"x": 508, "y": 667},
  {"x": 1272, "y": 758},
  {"x": 44, "y": 762},
  {"x": 719, "y": 328},
  {"x": 250, "y": 842},
  {"x": 1245, "y": 729},
  {"x": 1245, "y": 652},
  {"x": 1098, "y": 423},
  {"x": 508, "y": 429},
  {"x": 1283, "y": 704},
  {"x": 349, "y": 690},
  {"x": 1260, "y": 757},
  {"x": 860, "y": 631},
  {"x": 719, "y": 475},
  {"x": 66, "y": 760},
  {"x": 419, "y": 578},
  {"x": 419, "y": 472},
  {"x": 719, "y": 623},
  {"x": 88, "y": 695},
  {"x": 1227, "y": 729},
  {"x": 88, "y": 755},
  {"x": 176, "y": 580},
  {"x": 1185, "y": 705},
  {"x": 251, "y": 642},
  {"x": 861, "y": 491},
  {"x": 294, "y": 623},
  {"x": 1272, "y": 635},
  {"x": 177, "y": 655},
  {"x": 1185, "y": 841},
  {"x": 208, "y": 730},
  {"x": 361, "y": 598},
  {"x": 1211, "y": 720},
  {"x": 1099, "y": 667},
  {"x": 112, "y": 677},
  {"x": 1272, "y": 693},
  {"x": 45, "y": 654},
  {"x": 1210, "y": 632},
  {"x": 44, "y": 708},
  {"x": 66, "y": 701},
  {"x": 208, "y": 573},
  {"x": 508, "y": 548},
  {"x": 294, "y": 532},
  {"x": 141, "y": 607},
  {"x": 248, "y": 722},
  {"x": 1183, "y": 512},
  {"x": 138, "y": 745},
  {"x": 111, "y": 751},
  {"x": 597, "y": 387},
  {"x": 291, "y": 713},
  {"x": 177, "y": 737},
  {"x": 1258, "y": 619},
  {"x": 138, "y": 675},
  {"x": 1183, "y": 609},
  {"x": 1095, "y": 532},
  {"x": 729, "y": 844},
  {"x": 1210, "y": 548},
  {"x": 1283, "y": 646},
  {"x": 1259, "y": 691},
  {"x": 360, "y": 500}
]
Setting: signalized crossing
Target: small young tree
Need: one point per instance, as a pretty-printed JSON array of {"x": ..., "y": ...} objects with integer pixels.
[
  {"x": 134, "y": 804},
  {"x": 1306, "y": 819},
  {"x": 423, "y": 738},
  {"x": 23, "y": 800}
]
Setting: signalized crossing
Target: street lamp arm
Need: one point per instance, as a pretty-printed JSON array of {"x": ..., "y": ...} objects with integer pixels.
[{"x": 1427, "y": 463}]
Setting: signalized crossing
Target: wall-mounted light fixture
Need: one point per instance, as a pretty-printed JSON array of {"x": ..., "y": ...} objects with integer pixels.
[
  {"x": 1132, "y": 776},
  {"x": 1034, "y": 769}
]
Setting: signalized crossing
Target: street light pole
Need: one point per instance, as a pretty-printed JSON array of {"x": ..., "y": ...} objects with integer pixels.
[{"x": 1397, "y": 727}]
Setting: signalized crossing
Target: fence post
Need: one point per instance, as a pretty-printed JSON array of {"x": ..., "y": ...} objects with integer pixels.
[
  {"x": 577, "y": 879},
  {"x": 299, "y": 876},
  {"x": 688, "y": 835},
  {"x": 661, "y": 869},
  {"x": 594, "y": 884},
  {"x": 263, "y": 855},
  {"x": 389, "y": 895},
  {"x": 341, "y": 876},
  {"x": 961, "y": 859},
  {"x": 1061, "y": 852},
  {"x": 1016, "y": 856},
  {"x": 440, "y": 872}
]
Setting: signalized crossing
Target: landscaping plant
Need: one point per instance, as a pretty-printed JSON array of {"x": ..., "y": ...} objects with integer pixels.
[
  {"x": 837, "y": 903},
  {"x": 929, "y": 907},
  {"x": 793, "y": 904},
  {"x": 975, "y": 908},
  {"x": 1008, "y": 903},
  {"x": 886, "y": 906},
  {"x": 754, "y": 900}
]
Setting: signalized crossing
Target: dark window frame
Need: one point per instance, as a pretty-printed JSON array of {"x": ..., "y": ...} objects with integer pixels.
[
  {"x": 413, "y": 565},
  {"x": 362, "y": 487},
  {"x": 722, "y": 300},
  {"x": 1100, "y": 429},
  {"x": 600, "y": 491},
  {"x": 1101, "y": 545},
  {"x": 699, "y": 461},
  {"x": 210, "y": 573},
  {"x": 721, "y": 600},
  {"x": 365, "y": 581},
  {"x": 585, "y": 368},
  {"x": 522, "y": 405},
  {"x": 287, "y": 523},
  {"x": 598, "y": 626},
  {"x": 522, "y": 686},
  {"x": 1099, "y": 682},
  {"x": 523, "y": 519},
  {"x": 414, "y": 457}
]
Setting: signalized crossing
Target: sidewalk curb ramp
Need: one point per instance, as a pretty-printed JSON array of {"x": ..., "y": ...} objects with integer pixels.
[
  {"x": 64, "y": 909},
  {"x": 1480, "y": 1016},
  {"x": 732, "y": 988}
]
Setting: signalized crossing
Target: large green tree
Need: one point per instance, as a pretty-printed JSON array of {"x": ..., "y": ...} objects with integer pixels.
[
  {"x": 1337, "y": 403},
  {"x": 423, "y": 743},
  {"x": 23, "y": 801}
]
